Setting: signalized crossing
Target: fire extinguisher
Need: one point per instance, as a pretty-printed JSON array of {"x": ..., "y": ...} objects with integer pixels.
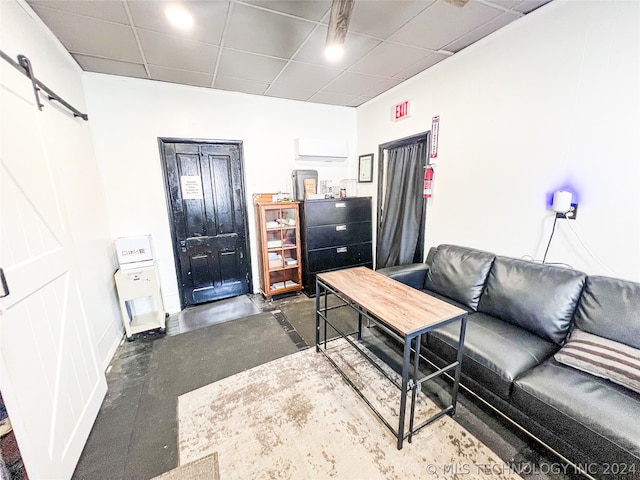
[{"x": 428, "y": 181}]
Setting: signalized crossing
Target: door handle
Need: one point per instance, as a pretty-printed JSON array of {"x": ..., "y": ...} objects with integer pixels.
[{"x": 4, "y": 288}]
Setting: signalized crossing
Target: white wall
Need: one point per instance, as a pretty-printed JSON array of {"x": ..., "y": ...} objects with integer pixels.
[
  {"x": 128, "y": 115},
  {"x": 550, "y": 101}
]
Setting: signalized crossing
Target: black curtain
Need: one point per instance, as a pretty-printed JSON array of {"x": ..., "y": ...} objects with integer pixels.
[{"x": 403, "y": 206}]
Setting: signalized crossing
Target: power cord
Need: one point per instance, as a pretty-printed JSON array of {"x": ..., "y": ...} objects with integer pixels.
[
  {"x": 590, "y": 253},
  {"x": 568, "y": 222},
  {"x": 531, "y": 259},
  {"x": 555, "y": 220}
]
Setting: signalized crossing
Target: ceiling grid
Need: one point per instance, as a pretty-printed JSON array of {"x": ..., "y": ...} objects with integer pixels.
[{"x": 274, "y": 47}]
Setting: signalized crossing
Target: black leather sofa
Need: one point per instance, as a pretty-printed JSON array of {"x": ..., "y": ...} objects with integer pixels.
[{"x": 521, "y": 314}]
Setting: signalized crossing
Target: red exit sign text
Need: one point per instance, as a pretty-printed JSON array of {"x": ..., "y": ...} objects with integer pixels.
[{"x": 401, "y": 110}]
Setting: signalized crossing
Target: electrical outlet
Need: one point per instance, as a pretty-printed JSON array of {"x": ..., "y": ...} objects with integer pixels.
[{"x": 571, "y": 214}]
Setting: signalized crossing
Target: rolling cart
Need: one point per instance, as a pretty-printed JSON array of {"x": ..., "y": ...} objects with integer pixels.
[{"x": 138, "y": 287}]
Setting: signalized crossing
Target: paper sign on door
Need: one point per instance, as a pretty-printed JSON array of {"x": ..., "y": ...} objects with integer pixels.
[{"x": 191, "y": 187}]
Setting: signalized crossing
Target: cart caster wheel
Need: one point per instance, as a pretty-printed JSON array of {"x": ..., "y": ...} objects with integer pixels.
[
  {"x": 162, "y": 330},
  {"x": 130, "y": 339},
  {"x": 166, "y": 314}
]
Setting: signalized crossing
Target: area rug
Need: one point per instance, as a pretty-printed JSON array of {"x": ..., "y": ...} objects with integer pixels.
[
  {"x": 297, "y": 418},
  {"x": 203, "y": 469}
]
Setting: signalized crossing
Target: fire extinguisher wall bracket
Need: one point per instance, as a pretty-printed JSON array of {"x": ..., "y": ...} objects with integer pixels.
[{"x": 428, "y": 181}]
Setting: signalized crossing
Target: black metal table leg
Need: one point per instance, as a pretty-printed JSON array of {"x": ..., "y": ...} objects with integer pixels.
[
  {"x": 414, "y": 390},
  {"x": 456, "y": 381},
  {"x": 326, "y": 294},
  {"x": 403, "y": 392},
  {"x": 317, "y": 316}
]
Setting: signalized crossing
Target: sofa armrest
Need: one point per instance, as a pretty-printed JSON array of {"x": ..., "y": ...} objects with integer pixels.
[{"x": 413, "y": 274}]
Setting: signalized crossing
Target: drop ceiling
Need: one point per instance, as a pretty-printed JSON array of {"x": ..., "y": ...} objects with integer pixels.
[{"x": 274, "y": 47}]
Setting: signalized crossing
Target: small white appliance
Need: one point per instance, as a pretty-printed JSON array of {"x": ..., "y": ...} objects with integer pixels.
[{"x": 134, "y": 252}]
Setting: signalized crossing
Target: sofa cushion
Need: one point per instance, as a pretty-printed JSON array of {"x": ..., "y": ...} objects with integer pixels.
[
  {"x": 591, "y": 413},
  {"x": 459, "y": 273},
  {"x": 496, "y": 352},
  {"x": 412, "y": 275},
  {"x": 448, "y": 300},
  {"x": 610, "y": 308},
  {"x": 538, "y": 298},
  {"x": 602, "y": 357}
]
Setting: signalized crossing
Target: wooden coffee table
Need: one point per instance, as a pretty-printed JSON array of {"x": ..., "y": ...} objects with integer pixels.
[{"x": 402, "y": 312}]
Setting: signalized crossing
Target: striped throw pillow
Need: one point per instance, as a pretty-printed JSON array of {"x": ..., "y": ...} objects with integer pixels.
[{"x": 601, "y": 357}]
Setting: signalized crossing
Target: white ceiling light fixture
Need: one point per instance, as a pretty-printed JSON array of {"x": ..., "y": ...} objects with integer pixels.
[
  {"x": 179, "y": 17},
  {"x": 338, "y": 24}
]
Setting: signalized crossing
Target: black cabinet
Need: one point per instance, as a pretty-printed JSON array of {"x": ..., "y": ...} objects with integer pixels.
[{"x": 335, "y": 234}]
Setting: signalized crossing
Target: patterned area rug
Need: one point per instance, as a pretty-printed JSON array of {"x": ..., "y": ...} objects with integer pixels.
[
  {"x": 203, "y": 469},
  {"x": 297, "y": 418}
]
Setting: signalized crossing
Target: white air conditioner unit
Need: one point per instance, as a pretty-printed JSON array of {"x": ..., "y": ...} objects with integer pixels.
[{"x": 323, "y": 150}]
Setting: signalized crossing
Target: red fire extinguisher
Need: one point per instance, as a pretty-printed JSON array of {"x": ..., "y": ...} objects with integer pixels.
[{"x": 428, "y": 181}]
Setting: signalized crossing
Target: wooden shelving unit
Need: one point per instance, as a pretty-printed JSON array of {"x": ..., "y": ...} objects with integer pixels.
[{"x": 278, "y": 226}]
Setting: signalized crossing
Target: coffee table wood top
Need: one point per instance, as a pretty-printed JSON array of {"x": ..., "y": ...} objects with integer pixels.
[{"x": 401, "y": 307}]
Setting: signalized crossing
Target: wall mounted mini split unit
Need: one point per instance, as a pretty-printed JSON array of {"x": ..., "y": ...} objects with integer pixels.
[{"x": 321, "y": 150}]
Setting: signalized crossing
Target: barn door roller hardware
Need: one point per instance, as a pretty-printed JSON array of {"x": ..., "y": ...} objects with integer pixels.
[{"x": 24, "y": 66}]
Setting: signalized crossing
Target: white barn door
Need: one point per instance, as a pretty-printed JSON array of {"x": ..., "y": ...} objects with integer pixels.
[{"x": 50, "y": 378}]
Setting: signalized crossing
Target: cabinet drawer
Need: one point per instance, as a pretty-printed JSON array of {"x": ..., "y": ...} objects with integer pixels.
[
  {"x": 338, "y": 257},
  {"x": 336, "y": 235},
  {"x": 337, "y": 211}
]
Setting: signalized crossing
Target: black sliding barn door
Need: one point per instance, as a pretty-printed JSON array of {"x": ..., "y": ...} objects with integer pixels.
[{"x": 205, "y": 192}]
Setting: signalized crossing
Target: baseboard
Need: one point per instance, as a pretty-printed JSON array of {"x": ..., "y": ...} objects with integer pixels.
[{"x": 171, "y": 302}]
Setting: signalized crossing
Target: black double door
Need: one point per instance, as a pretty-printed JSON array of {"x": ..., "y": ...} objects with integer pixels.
[{"x": 205, "y": 192}]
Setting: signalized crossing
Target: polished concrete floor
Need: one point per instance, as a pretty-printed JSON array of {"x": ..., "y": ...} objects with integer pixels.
[{"x": 135, "y": 433}]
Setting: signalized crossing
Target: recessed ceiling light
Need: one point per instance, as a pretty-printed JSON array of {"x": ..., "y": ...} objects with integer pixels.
[
  {"x": 179, "y": 17},
  {"x": 334, "y": 52}
]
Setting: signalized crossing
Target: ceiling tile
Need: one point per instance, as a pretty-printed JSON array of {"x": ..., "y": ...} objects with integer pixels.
[
  {"x": 240, "y": 85},
  {"x": 90, "y": 36},
  {"x": 388, "y": 59},
  {"x": 310, "y": 9},
  {"x": 354, "y": 84},
  {"x": 527, "y": 6},
  {"x": 287, "y": 91},
  {"x": 356, "y": 102},
  {"x": 442, "y": 23},
  {"x": 382, "y": 87},
  {"x": 113, "y": 67},
  {"x": 355, "y": 46},
  {"x": 522, "y": 6},
  {"x": 262, "y": 35},
  {"x": 209, "y": 18},
  {"x": 248, "y": 66},
  {"x": 421, "y": 66},
  {"x": 110, "y": 10},
  {"x": 480, "y": 32},
  {"x": 382, "y": 18},
  {"x": 169, "y": 51},
  {"x": 259, "y": 31},
  {"x": 332, "y": 98},
  {"x": 180, "y": 76},
  {"x": 311, "y": 76}
]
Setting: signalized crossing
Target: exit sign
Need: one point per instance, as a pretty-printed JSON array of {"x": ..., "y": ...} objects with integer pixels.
[{"x": 401, "y": 110}]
